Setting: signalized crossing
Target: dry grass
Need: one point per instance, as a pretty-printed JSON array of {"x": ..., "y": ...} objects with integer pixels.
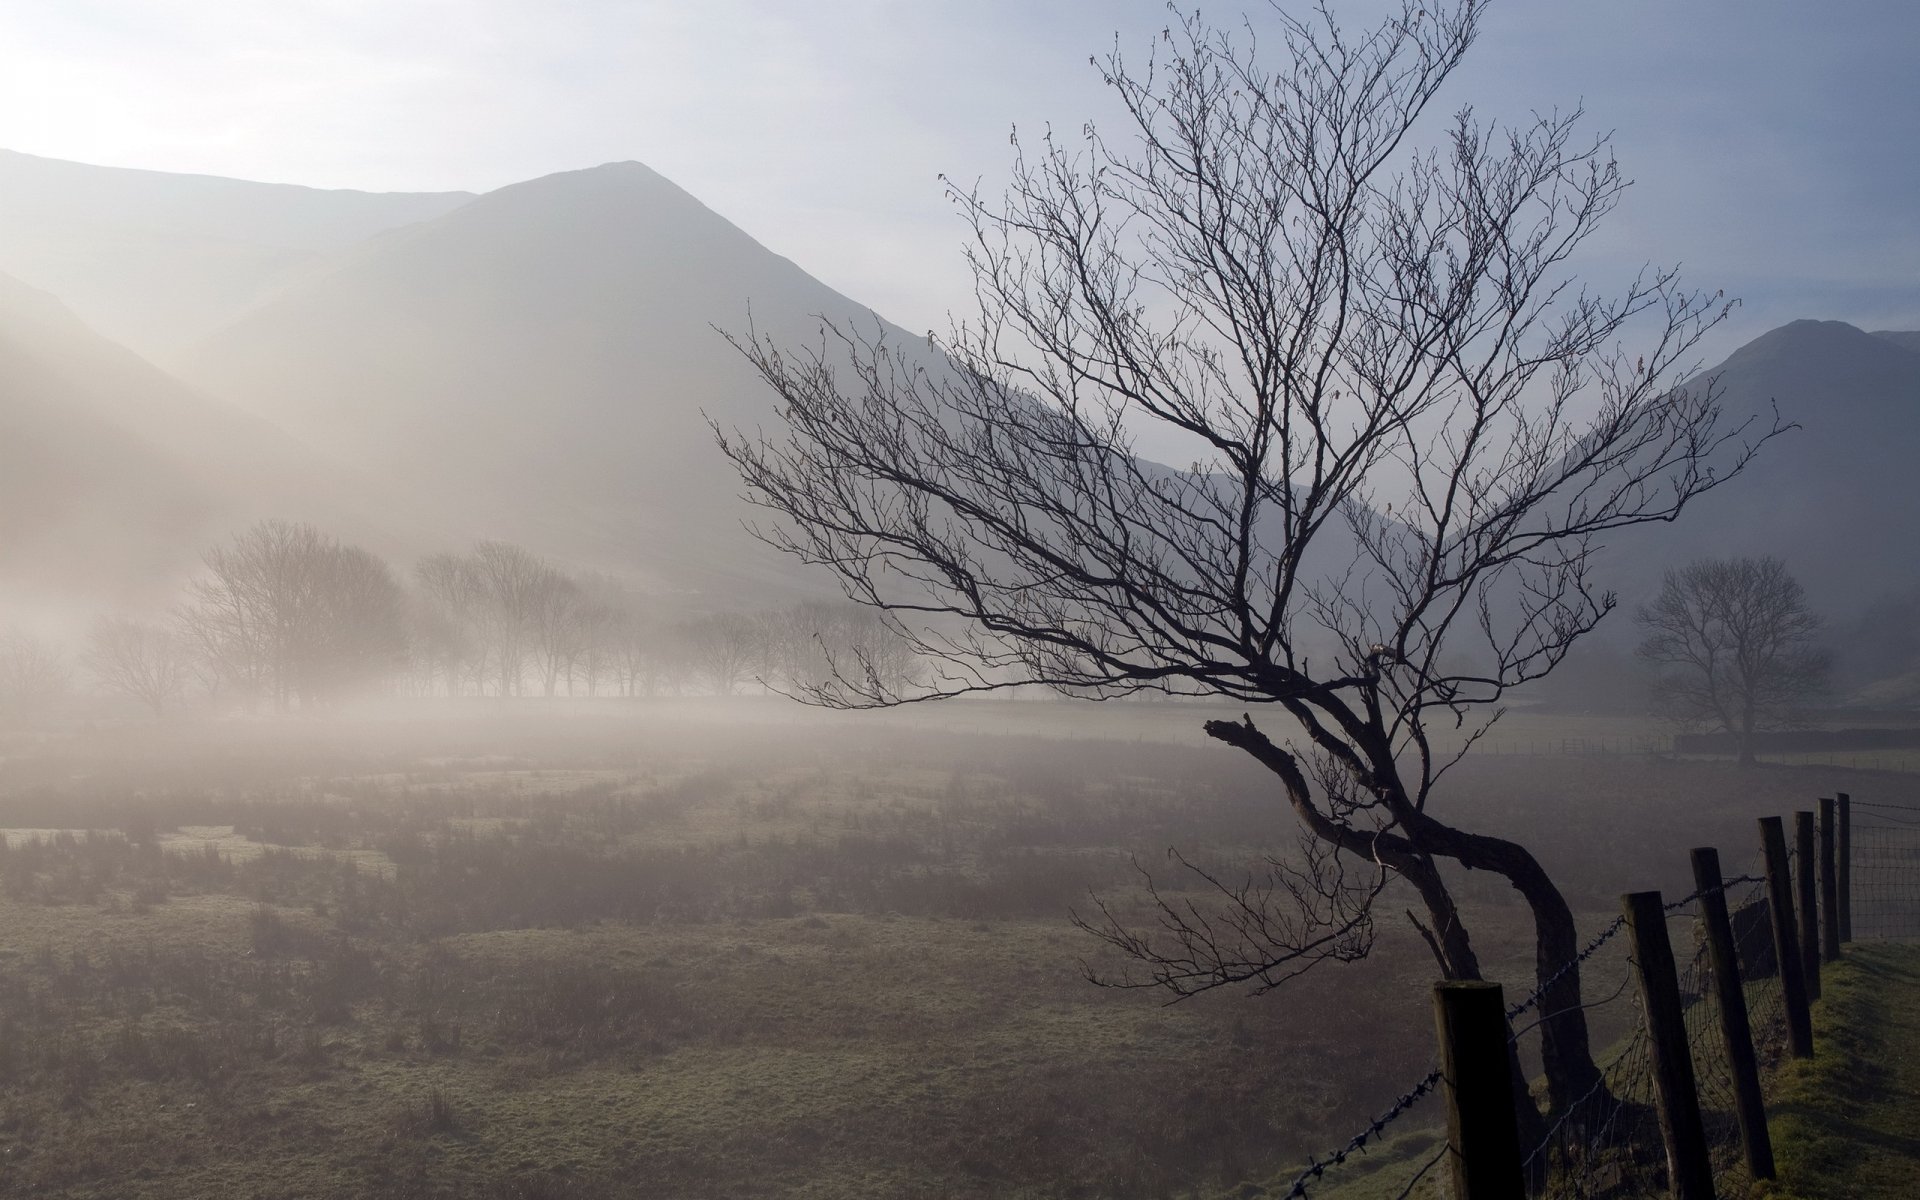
[{"x": 608, "y": 956}]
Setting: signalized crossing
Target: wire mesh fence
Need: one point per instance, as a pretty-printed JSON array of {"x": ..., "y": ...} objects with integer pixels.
[
  {"x": 1885, "y": 857},
  {"x": 1607, "y": 1143},
  {"x": 1399, "y": 1164}
]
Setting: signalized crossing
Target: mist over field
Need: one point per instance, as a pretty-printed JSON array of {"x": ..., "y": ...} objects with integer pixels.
[{"x": 523, "y": 690}]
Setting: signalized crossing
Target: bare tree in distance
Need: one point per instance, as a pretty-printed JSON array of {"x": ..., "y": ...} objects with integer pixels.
[
  {"x": 558, "y": 627},
  {"x": 1411, "y": 426},
  {"x": 497, "y": 594},
  {"x": 1734, "y": 643},
  {"x": 33, "y": 674},
  {"x": 813, "y": 646},
  {"x": 725, "y": 649},
  {"x": 287, "y": 613},
  {"x": 142, "y": 661}
]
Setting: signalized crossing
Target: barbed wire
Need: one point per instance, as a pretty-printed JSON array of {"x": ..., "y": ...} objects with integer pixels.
[
  {"x": 1318, "y": 1167},
  {"x": 1608, "y": 1138},
  {"x": 1912, "y": 808},
  {"x": 1538, "y": 995}
]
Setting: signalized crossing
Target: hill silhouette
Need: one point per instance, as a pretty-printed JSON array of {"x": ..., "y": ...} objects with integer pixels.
[
  {"x": 1833, "y": 498},
  {"x": 543, "y": 361},
  {"x": 114, "y": 475},
  {"x": 156, "y": 260},
  {"x": 539, "y": 364}
]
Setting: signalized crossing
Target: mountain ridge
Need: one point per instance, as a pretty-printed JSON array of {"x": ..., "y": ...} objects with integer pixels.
[
  {"x": 559, "y": 331},
  {"x": 154, "y": 258},
  {"x": 540, "y": 363}
]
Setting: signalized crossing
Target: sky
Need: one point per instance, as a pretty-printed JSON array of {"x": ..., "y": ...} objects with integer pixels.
[{"x": 1772, "y": 142}]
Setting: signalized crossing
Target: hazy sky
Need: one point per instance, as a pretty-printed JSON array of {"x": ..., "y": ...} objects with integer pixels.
[{"x": 1776, "y": 143}]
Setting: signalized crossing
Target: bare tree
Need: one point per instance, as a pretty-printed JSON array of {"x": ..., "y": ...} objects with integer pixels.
[
  {"x": 33, "y": 674},
  {"x": 440, "y": 647},
  {"x": 811, "y": 647},
  {"x": 1409, "y": 426},
  {"x": 149, "y": 663},
  {"x": 353, "y": 632},
  {"x": 288, "y": 613},
  {"x": 558, "y": 626},
  {"x": 725, "y": 649},
  {"x": 1733, "y": 640},
  {"x": 604, "y": 611},
  {"x": 496, "y": 594},
  {"x": 646, "y": 656}
]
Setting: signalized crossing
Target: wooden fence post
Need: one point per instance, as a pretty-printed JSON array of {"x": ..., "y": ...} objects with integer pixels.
[
  {"x": 1805, "y": 893},
  {"x": 1736, "y": 1032},
  {"x": 1786, "y": 947},
  {"x": 1829, "y": 886},
  {"x": 1483, "y": 1132},
  {"x": 1689, "y": 1170},
  {"x": 1846, "y": 866}
]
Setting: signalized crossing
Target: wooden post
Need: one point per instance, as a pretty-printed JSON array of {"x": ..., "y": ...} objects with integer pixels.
[
  {"x": 1809, "y": 911},
  {"x": 1786, "y": 947},
  {"x": 1483, "y": 1131},
  {"x": 1689, "y": 1170},
  {"x": 1736, "y": 1032},
  {"x": 1846, "y": 866},
  {"x": 1829, "y": 887}
]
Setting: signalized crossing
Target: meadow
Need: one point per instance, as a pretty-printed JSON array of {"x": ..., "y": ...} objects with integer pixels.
[{"x": 722, "y": 949}]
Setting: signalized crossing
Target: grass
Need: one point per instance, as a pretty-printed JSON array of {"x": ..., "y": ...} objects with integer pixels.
[
  {"x": 1846, "y": 1124},
  {"x": 638, "y": 954}
]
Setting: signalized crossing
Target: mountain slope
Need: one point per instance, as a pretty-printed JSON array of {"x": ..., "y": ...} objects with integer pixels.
[
  {"x": 114, "y": 476},
  {"x": 157, "y": 260},
  {"x": 1909, "y": 340},
  {"x": 540, "y": 360},
  {"x": 1833, "y": 498}
]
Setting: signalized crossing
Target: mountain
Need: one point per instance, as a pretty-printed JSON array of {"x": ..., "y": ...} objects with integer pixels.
[
  {"x": 114, "y": 476},
  {"x": 1833, "y": 498},
  {"x": 542, "y": 363},
  {"x": 156, "y": 260},
  {"x": 1909, "y": 341}
]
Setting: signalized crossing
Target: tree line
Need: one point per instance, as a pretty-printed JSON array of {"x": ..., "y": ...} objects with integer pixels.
[{"x": 285, "y": 617}]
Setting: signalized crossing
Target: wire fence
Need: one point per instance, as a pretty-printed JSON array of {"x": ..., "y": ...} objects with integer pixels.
[
  {"x": 1607, "y": 1144},
  {"x": 1886, "y": 870}
]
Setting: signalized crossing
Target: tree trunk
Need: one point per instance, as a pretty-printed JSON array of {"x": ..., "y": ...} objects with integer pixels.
[{"x": 1565, "y": 1049}]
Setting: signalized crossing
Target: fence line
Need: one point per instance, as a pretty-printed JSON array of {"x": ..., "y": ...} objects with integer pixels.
[{"x": 1609, "y": 1142}]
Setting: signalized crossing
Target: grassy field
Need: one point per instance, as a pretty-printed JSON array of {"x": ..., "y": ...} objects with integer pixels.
[
  {"x": 710, "y": 952},
  {"x": 1846, "y": 1124}
]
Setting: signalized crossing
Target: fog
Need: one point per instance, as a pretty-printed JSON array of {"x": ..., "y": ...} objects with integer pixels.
[{"x": 432, "y": 764}]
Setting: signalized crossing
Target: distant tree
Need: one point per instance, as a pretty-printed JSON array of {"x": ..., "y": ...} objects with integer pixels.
[
  {"x": 725, "y": 649},
  {"x": 441, "y": 652},
  {"x": 33, "y": 674},
  {"x": 605, "y": 607},
  {"x": 1410, "y": 425},
  {"x": 812, "y": 646},
  {"x": 146, "y": 662},
  {"x": 648, "y": 656},
  {"x": 497, "y": 594},
  {"x": 287, "y": 613},
  {"x": 558, "y": 611},
  {"x": 1734, "y": 643},
  {"x": 354, "y": 631}
]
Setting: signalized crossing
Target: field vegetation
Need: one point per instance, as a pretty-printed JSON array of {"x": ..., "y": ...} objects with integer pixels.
[{"x": 720, "y": 951}]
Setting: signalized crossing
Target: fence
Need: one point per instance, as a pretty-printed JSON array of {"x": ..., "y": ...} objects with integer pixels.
[
  {"x": 1677, "y": 1107},
  {"x": 1871, "y": 750}
]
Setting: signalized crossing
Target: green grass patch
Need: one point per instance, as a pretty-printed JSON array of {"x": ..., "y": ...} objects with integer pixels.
[{"x": 1846, "y": 1123}]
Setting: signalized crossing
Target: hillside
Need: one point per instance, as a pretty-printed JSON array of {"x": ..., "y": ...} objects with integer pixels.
[
  {"x": 542, "y": 361},
  {"x": 1833, "y": 498},
  {"x": 114, "y": 476},
  {"x": 157, "y": 260}
]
